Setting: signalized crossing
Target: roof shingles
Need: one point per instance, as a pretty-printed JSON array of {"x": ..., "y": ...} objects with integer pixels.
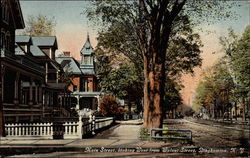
[
  {"x": 72, "y": 64},
  {"x": 22, "y": 39},
  {"x": 44, "y": 40}
]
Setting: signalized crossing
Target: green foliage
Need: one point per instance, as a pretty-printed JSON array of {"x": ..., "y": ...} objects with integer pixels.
[
  {"x": 172, "y": 94},
  {"x": 237, "y": 55},
  {"x": 143, "y": 134},
  {"x": 228, "y": 81},
  {"x": 120, "y": 39},
  {"x": 124, "y": 81},
  {"x": 183, "y": 52},
  {"x": 209, "y": 12},
  {"x": 150, "y": 34},
  {"x": 240, "y": 61},
  {"x": 39, "y": 25},
  {"x": 216, "y": 83}
]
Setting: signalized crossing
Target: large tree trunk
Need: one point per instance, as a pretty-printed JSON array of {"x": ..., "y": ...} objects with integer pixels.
[
  {"x": 154, "y": 85},
  {"x": 155, "y": 24}
]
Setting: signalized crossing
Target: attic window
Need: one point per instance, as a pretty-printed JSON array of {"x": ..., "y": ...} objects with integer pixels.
[{"x": 87, "y": 59}]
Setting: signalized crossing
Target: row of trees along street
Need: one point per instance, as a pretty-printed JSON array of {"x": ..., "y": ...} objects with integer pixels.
[
  {"x": 144, "y": 46},
  {"x": 224, "y": 90}
]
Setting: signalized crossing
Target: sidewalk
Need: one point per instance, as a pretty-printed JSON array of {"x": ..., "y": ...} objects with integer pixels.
[
  {"x": 131, "y": 122},
  {"x": 123, "y": 135}
]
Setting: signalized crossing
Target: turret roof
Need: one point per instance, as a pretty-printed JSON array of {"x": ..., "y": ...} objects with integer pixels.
[{"x": 87, "y": 49}]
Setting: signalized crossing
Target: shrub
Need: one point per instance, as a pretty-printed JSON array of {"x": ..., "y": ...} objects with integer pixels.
[
  {"x": 143, "y": 133},
  {"x": 109, "y": 106}
]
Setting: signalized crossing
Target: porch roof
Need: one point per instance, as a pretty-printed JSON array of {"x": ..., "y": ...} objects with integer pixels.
[{"x": 86, "y": 94}]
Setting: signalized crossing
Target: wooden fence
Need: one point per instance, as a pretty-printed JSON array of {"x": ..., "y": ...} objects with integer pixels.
[{"x": 57, "y": 130}]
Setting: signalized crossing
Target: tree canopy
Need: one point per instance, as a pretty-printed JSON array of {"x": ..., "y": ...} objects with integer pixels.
[
  {"x": 160, "y": 34},
  {"x": 240, "y": 60},
  {"x": 39, "y": 25},
  {"x": 214, "y": 86},
  {"x": 227, "y": 82}
]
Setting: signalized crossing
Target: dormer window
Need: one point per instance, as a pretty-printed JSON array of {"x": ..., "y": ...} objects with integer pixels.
[{"x": 86, "y": 59}]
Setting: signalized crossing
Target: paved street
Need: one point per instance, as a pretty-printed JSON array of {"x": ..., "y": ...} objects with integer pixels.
[{"x": 218, "y": 139}]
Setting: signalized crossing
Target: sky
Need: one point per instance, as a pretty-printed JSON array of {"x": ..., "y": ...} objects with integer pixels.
[{"x": 72, "y": 27}]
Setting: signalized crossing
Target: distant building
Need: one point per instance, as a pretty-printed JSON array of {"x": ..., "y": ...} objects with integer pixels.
[{"x": 84, "y": 87}]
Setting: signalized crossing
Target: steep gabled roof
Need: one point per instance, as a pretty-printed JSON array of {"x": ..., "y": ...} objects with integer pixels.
[
  {"x": 22, "y": 39},
  {"x": 44, "y": 41},
  {"x": 87, "y": 49},
  {"x": 69, "y": 64},
  {"x": 34, "y": 50}
]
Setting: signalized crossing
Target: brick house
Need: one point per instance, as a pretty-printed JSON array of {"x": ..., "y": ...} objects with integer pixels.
[{"x": 85, "y": 90}]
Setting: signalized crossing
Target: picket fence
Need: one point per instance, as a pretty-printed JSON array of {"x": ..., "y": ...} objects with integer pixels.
[{"x": 57, "y": 130}]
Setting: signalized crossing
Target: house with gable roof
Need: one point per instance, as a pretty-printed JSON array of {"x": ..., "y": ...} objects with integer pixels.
[
  {"x": 85, "y": 90},
  {"x": 22, "y": 76},
  {"x": 43, "y": 49},
  {"x": 30, "y": 82}
]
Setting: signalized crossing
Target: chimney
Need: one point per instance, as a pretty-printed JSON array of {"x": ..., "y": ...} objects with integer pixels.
[{"x": 66, "y": 54}]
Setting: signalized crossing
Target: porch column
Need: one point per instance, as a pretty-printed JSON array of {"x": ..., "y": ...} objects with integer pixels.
[
  {"x": 51, "y": 99},
  {"x": 98, "y": 103},
  {"x": 2, "y": 128},
  {"x": 31, "y": 92},
  {"x": 43, "y": 100},
  {"x": 36, "y": 94},
  {"x": 16, "y": 91},
  {"x": 47, "y": 98},
  {"x": 21, "y": 92},
  {"x": 78, "y": 102},
  {"x": 2, "y": 77},
  {"x": 46, "y": 73},
  {"x": 40, "y": 95},
  {"x": 57, "y": 76}
]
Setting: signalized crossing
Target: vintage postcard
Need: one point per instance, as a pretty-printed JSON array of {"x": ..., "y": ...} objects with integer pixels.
[{"x": 125, "y": 78}]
